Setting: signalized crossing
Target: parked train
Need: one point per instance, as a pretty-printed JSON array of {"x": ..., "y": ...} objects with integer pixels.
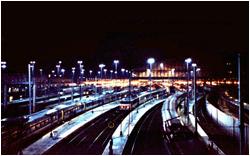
[
  {"x": 129, "y": 103},
  {"x": 22, "y": 107},
  {"x": 30, "y": 125}
]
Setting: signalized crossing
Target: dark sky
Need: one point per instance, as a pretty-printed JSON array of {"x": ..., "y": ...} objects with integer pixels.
[{"x": 98, "y": 32}]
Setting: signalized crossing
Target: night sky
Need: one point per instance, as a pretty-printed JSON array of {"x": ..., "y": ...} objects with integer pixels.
[{"x": 99, "y": 32}]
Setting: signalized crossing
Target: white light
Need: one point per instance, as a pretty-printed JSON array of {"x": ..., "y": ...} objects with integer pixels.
[
  {"x": 126, "y": 71},
  {"x": 3, "y": 66},
  {"x": 3, "y": 62},
  {"x": 73, "y": 68},
  {"x": 79, "y": 62},
  {"x": 62, "y": 70},
  {"x": 58, "y": 66},
  {"x": 90, "y": 71},
  {"x": 161, "y": 65},
  {"x": 116, "y": 61},
  {"x": 111, "y": 71},
  {"x": 101, "y": 65},
  {"x": 104, "y": 70},
  {"x": 82, "y": 71},
  {"x": 32, "y": 62},
  {"x": 41, "y": 70},
  {"x": 60, "y": 62},
  {"x": 198, "y": 69},
  {"x": 122, "y": 69},
  {"x": 194, "y": 64},
  {"x": 99, "y": 72},
  {"x": 53, "y": 71},
  {"x": 151, "y": 60},
  {"x": 188, "y": 60}
]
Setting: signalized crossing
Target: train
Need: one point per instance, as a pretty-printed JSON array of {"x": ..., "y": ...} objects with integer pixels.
[
  {"x": 132, "y": 101},
  {"x": 22, "y": 107},
  {"x": 34, "y": 124}
]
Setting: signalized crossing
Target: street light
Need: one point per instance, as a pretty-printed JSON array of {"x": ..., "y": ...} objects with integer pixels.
[
  {"x": 105, "y": 70},
  {"x": 31, "y": 66},
  {"x": 80, "y": 72},
  {"x": 122, "y": 72},
  {"x": 173, "y": 72},
  {"x": 72, "y": 89},
  {"x": 101, "y": 66},
  {"x": 58, "y": 69},
  {"x": 62, "y": 71},
  {"x": 188, "y": 60},
  {"x": 161, "y": 66},
  {"x": 41, "y": 77},
  {"x": 195, "y": 103},
  {"x": 90, "y": 73},
  {"x": 4, "y": 66},
  {"x": 111, "y": 72},
  {"x": 150, "y": 61},
  {"x": 126, "y": 73},
  {"x": 116, "y": 62}
]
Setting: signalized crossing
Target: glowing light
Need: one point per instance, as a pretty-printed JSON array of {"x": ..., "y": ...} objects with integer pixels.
[
  {"x": 161, "y": 65},
  {"x": 151, "y": 60},
  {"x": 116, "y": 61},
  {"x": 101, "y": 65},
  {"x": 188, "y": 60}
]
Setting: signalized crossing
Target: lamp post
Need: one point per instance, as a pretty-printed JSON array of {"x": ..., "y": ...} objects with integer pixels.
[
  {"x": 3, "y": 67},
  {"x": 161, "y": 66},
  {"x": 105, "y": 71},
  {"x": 80, "y": 73},
  {"x": 123, "y": 70},
  {"x": 195, "y": 103},
  {"x": 111, "y": 72},
  {"x": 58, "y": 69},
  {"x": 72, "y": 89},
  {"x": 99, "y": 74},
  {"x": 31, "y": 66},
  {"x": 150, "y": 61},
  {"x": 41, "y": 77},
  {"x": 116, "y": 63},
  {"x": 127, "y": 74},
  {"x": 186, "y": 111},
  {"x": 90, "y": 73},
  {"x": 101, "y": 66}
]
